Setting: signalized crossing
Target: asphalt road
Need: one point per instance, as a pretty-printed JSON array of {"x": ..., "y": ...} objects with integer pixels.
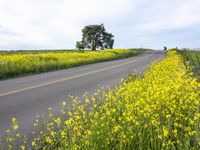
[{"x": 26, "y": 97}]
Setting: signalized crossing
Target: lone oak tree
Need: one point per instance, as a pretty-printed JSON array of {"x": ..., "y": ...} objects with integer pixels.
[{"x": 95, "y": 37}]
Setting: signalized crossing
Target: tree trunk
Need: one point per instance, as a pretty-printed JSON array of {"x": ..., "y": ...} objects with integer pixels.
[{"x": 94, "y": 46}]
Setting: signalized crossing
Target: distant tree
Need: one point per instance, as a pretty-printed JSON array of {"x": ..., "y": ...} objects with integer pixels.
[
  {"x": 95, "y": 37},
  {"x": 80, "y": 45}
]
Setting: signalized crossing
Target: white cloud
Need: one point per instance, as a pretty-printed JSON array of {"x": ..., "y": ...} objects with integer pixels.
[
  {"x": 53, "y": 23},
  {"x": 58, "y": 23},
  {"x": 162, "y": 15},
  {"x": 155, "y": 18}
]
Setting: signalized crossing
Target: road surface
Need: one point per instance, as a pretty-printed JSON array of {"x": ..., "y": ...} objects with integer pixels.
[{"x": 26, "y": 97}]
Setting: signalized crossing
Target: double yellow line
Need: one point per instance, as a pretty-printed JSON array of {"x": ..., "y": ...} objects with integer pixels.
[{"x": 69, "y": 78}]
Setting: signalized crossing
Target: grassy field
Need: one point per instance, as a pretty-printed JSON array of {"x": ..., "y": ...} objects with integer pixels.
[
  {"x": 157, "y": 111},
  {"x": 17, "y": 63},
  {"x": 193, "y": 57}
]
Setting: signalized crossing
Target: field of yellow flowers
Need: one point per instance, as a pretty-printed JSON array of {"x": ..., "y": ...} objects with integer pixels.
[
  {"x": 160, "y": 110},
  {"x": 16, "y": 64}
]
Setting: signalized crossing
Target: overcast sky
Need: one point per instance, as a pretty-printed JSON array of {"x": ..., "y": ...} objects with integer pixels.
[{"x": 54, "y": 24}]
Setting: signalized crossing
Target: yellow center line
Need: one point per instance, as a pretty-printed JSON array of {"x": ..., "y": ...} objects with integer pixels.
[{"x": 68, "y": 78}]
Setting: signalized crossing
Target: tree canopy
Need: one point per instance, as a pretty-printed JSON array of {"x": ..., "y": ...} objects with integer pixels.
[{"x": 95, "y": 37}]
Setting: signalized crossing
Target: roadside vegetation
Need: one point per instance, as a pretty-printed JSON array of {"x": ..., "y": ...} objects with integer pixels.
[
  {"x": 19, "y": 63},
  {"x": 159, "y": 110},
  {"x": 193, "y": 58}
]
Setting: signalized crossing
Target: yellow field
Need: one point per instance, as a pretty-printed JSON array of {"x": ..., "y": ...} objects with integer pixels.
[{"x": 17, "y": 64}]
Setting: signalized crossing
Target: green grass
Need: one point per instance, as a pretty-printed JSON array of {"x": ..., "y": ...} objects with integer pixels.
[
  {"x": 20, "y": 63},
  {"x": 35, "y": 51},
  {"x": 193, "y": 57}
]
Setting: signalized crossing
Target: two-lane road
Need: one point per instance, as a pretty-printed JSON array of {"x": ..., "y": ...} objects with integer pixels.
[{"x": 27, "y": 97}]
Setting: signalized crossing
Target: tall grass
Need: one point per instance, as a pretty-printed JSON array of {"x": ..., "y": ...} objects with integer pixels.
[
  {"x": 158, "y": 111},
  {"x": 193, "y": 57},
  {"x": 19, "y": 63}
]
